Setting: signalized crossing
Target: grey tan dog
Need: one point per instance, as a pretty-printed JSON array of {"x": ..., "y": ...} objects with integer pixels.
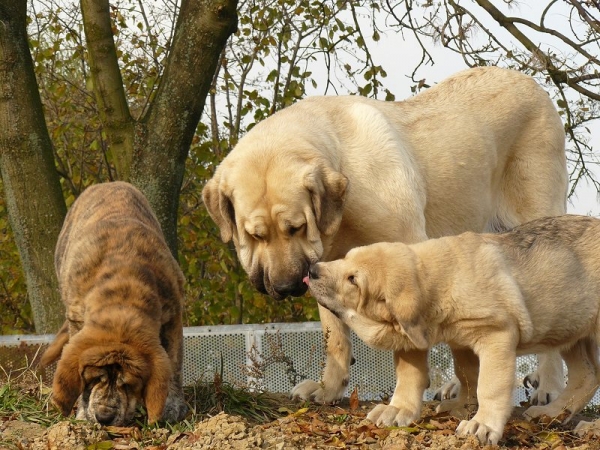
[
  {"x": 491, "y": 297},
  {"x": 122, "y": 342}
]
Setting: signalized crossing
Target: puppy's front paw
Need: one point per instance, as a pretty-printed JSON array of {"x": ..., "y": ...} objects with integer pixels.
[
  {"x": 484, "y": 433},
  {"x": 449, "y": 390},
  {"x": 387, "y": 415},
  {"x": 311, "y": 390}
]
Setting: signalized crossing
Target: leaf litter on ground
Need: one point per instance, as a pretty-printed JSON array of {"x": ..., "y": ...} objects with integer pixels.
[{"x": 262, "y": 419}]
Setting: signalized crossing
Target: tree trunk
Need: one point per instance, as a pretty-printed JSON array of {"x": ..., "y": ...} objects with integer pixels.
[
  {"x": 35, "y": 204},
  {"x": 162, "y": 138}
]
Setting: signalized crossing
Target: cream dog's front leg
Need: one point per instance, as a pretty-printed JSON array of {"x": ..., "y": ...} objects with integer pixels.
[
  {"x": 497, "y": 362},
  {"x": 412, "y": 378},
  {"x": 336, "y": 375}
]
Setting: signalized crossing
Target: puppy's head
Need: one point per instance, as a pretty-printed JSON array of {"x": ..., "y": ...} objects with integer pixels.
[
  {"x": 375, "y": 285},
  {"x": 112, "y": 378}
]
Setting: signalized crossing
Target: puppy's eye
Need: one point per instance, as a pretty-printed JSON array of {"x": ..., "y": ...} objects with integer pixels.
[{"x": 352, "y": 279}]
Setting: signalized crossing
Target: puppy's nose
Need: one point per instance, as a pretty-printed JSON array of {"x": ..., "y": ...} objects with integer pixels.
[
  {"x": 313, "y": 272},
  {"x": 105, "y": 416}
]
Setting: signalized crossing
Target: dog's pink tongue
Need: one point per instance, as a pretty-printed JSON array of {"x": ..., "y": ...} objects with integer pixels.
[{"x": 305, "y": 279}]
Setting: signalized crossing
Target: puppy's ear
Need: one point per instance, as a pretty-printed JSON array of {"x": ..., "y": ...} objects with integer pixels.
[
  {"x": 328, "y": 192},
  {"x": 403, "y": 297},
  {"x": 157, "y": 386},
  {"x": 67, "y": 384},
  {"x": 219, "y": 207},
  {"x": 54, "y": 350}
]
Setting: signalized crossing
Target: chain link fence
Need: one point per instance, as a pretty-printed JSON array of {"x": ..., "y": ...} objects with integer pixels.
[{"x": 274, "y": 357}]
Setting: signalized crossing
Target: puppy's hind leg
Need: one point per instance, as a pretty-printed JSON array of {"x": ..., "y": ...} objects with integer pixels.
[{"x": 584, "y": 377}]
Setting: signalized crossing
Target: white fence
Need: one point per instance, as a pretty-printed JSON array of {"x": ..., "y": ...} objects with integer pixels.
[{"x": 288, "y": 353}]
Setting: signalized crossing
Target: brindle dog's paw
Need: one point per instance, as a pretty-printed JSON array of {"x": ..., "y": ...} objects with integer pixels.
[{"x": 175, "y": 408}]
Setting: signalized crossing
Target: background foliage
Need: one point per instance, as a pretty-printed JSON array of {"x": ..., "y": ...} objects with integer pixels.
[{"x": 282, "y": 50}]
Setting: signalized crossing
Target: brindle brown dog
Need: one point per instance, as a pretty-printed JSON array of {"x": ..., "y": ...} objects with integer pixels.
[{"x": 122, "y": 342}]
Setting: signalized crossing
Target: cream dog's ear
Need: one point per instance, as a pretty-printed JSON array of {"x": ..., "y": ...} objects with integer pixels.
[
  {"x": 219, "y": 207},
  {"x": 403, "y": 298},
  {"x": 328, "y": 192}
]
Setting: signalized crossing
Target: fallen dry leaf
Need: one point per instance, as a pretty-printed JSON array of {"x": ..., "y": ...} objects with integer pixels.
[
  {"x": 123, "y": 431},
  {"x": 354, "y": 402}
]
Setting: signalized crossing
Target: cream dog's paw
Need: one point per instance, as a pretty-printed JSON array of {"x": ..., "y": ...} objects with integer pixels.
[
  {"x": 584, "y": 428},
  {"x": 551, "y": 410},
  {"x": 485, "y": 433},
  {"x": 456, "y": 407},
  {"x": 387, "y": 415},
  {"x": 546, "y": 386},
  {"x": 311, "y": 390},
  {"x": 449, "y": 390}
]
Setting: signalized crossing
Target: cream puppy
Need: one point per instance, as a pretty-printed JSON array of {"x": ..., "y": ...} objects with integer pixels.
[{"x": 491, "y": 297}]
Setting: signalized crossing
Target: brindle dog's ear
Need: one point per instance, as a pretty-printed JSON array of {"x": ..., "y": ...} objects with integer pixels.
[
  {"x": 54, "y": 350},
  {"x": 67, "y": 384},
  {"x": 157, "y": 386},
  {"x": 404, "y": 300},
  {"x": 328, "y": 192},
  {"x": 219, "y": 207}
]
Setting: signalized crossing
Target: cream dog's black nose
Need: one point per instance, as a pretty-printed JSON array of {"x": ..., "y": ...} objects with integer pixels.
[{"x": 313, "y": 271}]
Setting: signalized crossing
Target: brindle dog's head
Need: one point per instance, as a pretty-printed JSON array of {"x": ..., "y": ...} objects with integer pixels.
[{"x": 112, "y": 379}]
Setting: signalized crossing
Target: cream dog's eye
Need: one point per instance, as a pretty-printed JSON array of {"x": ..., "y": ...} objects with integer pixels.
[
  {"x": 293, "y": 230},
  {"x": 352, "y": 279},
  {"x": 258, "y": 237}
]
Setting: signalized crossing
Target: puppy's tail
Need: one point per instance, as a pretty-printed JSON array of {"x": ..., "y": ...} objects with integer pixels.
[{"x": 53, "y": 352}]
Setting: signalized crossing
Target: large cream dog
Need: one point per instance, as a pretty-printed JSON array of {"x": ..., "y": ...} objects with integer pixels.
[
  {"x": 481, "y": 151},
  {"x": 122, "y": 342},
  {"x": 533, "y": 289}
]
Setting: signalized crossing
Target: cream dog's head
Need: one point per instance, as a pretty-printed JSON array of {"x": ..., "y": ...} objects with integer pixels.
[
  {"x": 376, "y": 291},
  {"x": 276, "y": 208}
]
